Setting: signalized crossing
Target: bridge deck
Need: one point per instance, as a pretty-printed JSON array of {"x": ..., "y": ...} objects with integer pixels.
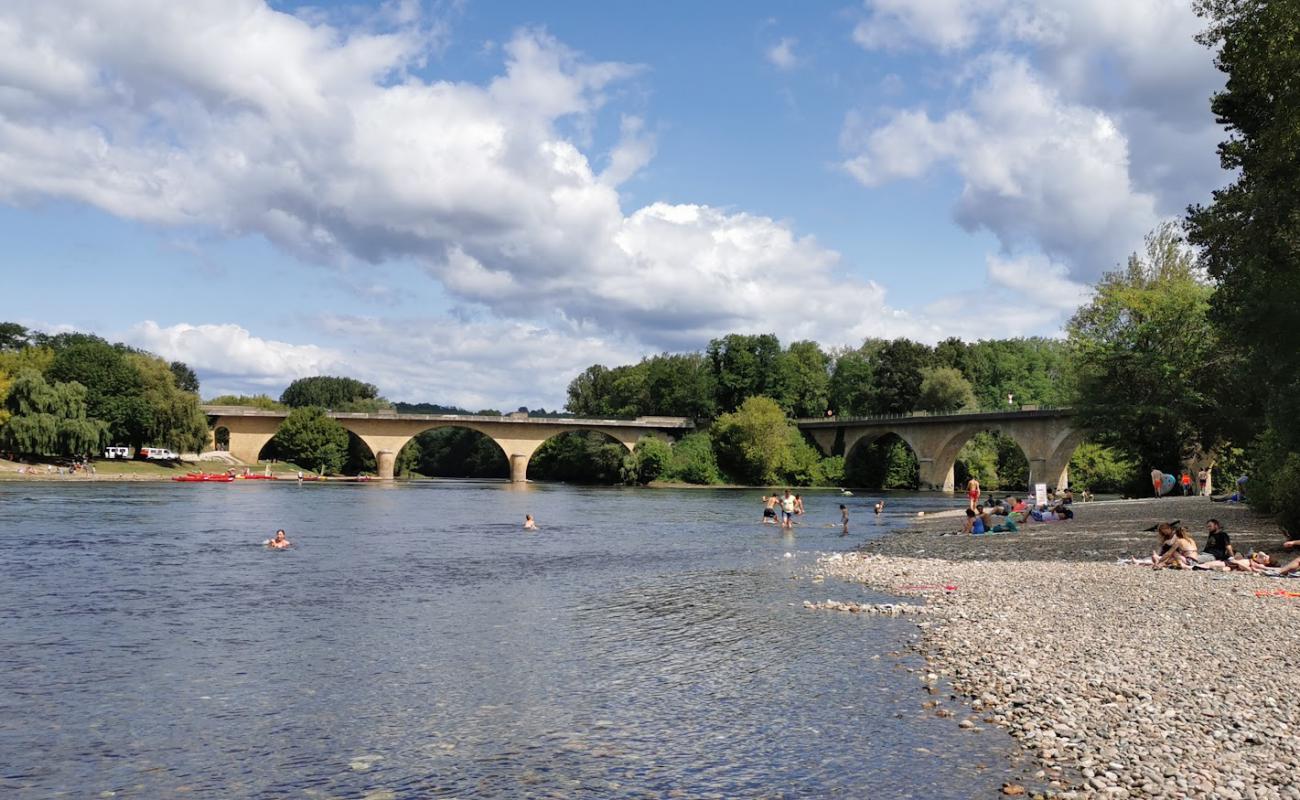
[
  {"x": 638, "y": 422},
  {"x": 925, "y": 417}
]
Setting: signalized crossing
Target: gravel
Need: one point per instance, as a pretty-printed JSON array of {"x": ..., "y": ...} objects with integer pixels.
[{"x": 1120, "y": 681}]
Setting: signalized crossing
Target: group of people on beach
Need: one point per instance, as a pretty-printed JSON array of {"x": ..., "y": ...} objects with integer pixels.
[
  {"x": 1012, "y": 513},
  {"x": 1176, "y": 549}
]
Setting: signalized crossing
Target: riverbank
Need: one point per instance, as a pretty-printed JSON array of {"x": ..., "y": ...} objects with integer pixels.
[
  {"x": 127, "y": 470},
  {"x": 1121, "y": 681}
]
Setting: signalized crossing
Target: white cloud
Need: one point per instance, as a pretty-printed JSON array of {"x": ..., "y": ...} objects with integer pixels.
[
  {"x": 781, "y": 55},
  {"x": 231, "y": 358},
  {"x": 1036, "y": 170},
  {"x": 1024, "y": 296},
  {"x": 1106, "y": 100}
]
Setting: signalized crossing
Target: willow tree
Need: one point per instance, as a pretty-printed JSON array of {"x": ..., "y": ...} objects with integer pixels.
[{"x": 49, "y": 419}]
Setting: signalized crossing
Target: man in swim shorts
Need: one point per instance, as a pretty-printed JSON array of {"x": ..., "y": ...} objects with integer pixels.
[
  {"x": 787, "y": 510},
  {"x": 769, "y": 509},
  {"x": 973, "y": 491}
]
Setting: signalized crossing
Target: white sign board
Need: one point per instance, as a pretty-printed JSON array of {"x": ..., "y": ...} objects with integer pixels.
[{"x": 1040, "y": 494}]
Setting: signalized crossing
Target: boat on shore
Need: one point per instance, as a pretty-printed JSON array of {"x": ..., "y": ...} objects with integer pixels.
[{"x": 204, "y": 477}]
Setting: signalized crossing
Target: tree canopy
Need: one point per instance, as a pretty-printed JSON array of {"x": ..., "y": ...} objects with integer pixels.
[{"x": 333, "y": 393}]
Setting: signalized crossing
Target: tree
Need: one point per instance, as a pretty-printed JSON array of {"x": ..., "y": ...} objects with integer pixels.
[
  {"x": 311, "y": 439},
  {"x": 744, "y": 366},
  {"x": 589, "y": 391},
  {"x": 114, "y": 391},
  {"x": 694, "y": 461},
  {"x": 187, "y": 380},
  {"x": 753, "y": 442},
  {"x": 49, "y": 419},
  {"x": 252, "y": 401},
  {"x": 653, "y": 455},
  {"x": 944, "y": 389},
  {"x": 13, "y": 336},
  {"x": 897, "y": 380},
  {"x": 174, "y": 417},
  {"x": 1146, "y": 353},
  {"x": 678, "y": 386},
  {"x": 803, "y": 380},
  {"x": 329, "y": 392},
  {"x": 1249, "y": 235}
]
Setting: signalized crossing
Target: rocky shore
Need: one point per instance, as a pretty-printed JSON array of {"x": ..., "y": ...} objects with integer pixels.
[{"x": 1120, "y": 681}]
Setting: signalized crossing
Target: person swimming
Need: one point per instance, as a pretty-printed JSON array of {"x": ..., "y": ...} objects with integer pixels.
[
  {"x": 880, "y": 506},
  {"x": 279, "y": 542},
  {"x": 529, "y": 524}
]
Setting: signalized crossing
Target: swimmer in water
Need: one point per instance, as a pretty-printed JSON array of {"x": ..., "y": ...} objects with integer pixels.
[
  {"x": 529, "y": 524},
  {"x": 279, "y": 542},
  {"x": 880, "y": 506}
]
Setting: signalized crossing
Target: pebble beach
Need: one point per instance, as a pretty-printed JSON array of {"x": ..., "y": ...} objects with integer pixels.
[{"x": 1118, "y": 680}]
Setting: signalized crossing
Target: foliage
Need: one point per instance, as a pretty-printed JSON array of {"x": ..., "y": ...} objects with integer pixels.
[
  {"x": 897, "y": 385},
  {"x": 49, "y": 419},
  {"x": 803, "y": 380},
  {"x": 37, "y": 358},
  {"x": 744, "y": 366},
  {"x": 1101, "y": 469},
  {"x": 1148, "y": 377},
  {"x": 455, "y": 453},
  {"x": 753, "y": 442},
  {"x": 886, "y": 463},
  {"x": 187, "y": 380},
  {"x": 14, "y": 336},
  {"x": 310, "y": 438},
  {"x": 850, "y": 383},
  {"x": 944, "y": 389},
  {"x": 174, "y": 418},
  {"x": 1272, "y": 485},
  {"x": 652, "y": 457},
  {"x": 114, "y": 389},
  {"x": 328, "y": 392},
  {"x": 832, "y": 469},
  {"x": 995, "y": 460},
  {"x": 252, "y": 401},
  {"x": 694, "y": 461},
  {"x": 579, "y": 457}
]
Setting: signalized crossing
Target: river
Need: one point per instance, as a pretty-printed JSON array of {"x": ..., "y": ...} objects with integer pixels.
[{"x": 417, "y": 643}]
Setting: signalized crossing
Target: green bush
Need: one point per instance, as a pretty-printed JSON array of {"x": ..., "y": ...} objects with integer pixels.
[
  {"x": 1098, "y": 468},
  {"x": 651, "y": 459},
  {"x": 693, "y": 461}
]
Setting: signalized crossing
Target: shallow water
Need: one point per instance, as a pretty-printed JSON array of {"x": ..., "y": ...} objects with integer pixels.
[{"x": 417, "y": 643}]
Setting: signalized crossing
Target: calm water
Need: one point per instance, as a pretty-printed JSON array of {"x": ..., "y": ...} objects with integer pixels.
[{"x": 416, "y": 643}]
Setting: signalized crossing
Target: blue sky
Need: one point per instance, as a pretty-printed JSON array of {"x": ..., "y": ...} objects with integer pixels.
[{"x": 468, "y": 203}]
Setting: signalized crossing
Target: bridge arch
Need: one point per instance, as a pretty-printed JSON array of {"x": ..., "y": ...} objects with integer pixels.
[
  {"x": 455, "y": 451},
  {"x": 869, "y": 462}
]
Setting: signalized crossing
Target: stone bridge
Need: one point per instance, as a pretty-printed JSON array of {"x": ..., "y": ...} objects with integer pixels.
[
  {"x": 1048, "y": 438},
  {"x": 518, "y": 435}
]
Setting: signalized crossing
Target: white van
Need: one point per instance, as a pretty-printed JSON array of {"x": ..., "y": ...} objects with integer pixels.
[
  {"x": 117, "y": 452},
  {"x": 157, "y": 454}
]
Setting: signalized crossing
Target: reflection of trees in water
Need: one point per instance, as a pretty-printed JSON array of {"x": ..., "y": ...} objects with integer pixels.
[{"x": 886, "y": 463}]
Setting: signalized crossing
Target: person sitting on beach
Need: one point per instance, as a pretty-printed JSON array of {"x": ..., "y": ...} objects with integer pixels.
[
  {"x": 1218, "y": 545},
  {"x": 972, "y": 519},
  {"x": 1067, "y": 497},
  {"x": 1182, "y": 555},
  {"x": 1018, "y": 504},
  {"x": 1008, "y": 525},
  {"x": 529, "y": 523},
  {"x": 279, "y": 542}
]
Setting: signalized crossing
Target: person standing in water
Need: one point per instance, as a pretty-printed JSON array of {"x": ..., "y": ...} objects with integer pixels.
[
  {"x": 529, "y": 524},
  {"x": 787, "y": 510},
  {"x": 769, "y": 509},
  {"x": 844, "y": 519}
]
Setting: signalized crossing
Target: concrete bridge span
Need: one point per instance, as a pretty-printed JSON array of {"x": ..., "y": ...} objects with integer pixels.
[
  {"x": 1048, "y": 438},
  {"x": 518, "y": 435}
]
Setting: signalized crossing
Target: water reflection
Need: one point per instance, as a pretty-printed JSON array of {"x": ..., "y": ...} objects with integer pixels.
[{"x": 416, "y": 643}]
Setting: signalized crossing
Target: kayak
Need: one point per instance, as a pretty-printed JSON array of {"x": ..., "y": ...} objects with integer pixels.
[
  {"x": 204, "y": 477},
  {"x": 259, "y": 477}
]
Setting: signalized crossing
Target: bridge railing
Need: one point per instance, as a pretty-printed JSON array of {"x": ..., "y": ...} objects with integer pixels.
[{"x": 1001, "y": 412}]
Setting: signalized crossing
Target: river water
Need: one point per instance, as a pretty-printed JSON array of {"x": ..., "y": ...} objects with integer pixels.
[{"x": 417, "y": 643}]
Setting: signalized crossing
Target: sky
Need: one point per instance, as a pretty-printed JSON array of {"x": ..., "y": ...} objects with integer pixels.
[{"x": 468, "y": 203}]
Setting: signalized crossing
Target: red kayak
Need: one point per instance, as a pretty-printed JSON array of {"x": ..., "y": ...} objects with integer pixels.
[
  {"x": 259, "y": 477},
  {"x": 204, "y": 477}
]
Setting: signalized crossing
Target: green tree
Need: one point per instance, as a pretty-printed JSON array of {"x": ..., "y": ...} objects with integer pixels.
[
  {"x": 49, "y": 419},
  {"x": 753, "y": 442},
  {"x": 14, "y": 336},
  {"x": 1101, "y": 469},
  {"x": 694, "y": 461},
  {"x": 744, "y": 366},
  {"x": 579, "y": 457},
  {"x": 187, "y": 380},
  {"x": 896, "y": 387},
  {"x": 589, "y": 392},
  {"x": 1034, "y": 371},
  {"x": 174, "y": 418},
  {"x": 850, "y": 384},
  {"x": 944, "y": 389},
  {"x": 252, "y": 401},
  {"x": 679, "y": 386},
  {"x": 114, "y": 391},
  {"x": 332, "y": 393},
  {"x": 653, "y": 457},
  {"x": 1147, "y": 368},
  {"x": 311, "y": 439},
  {"x": 1249, "y": 235},
  {"x": 803, "y": 380}
]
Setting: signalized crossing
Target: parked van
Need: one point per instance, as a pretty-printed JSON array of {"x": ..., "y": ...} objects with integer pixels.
[
  {"x": 157, "y": 454},
  {"x": 117, "y": 452}
]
